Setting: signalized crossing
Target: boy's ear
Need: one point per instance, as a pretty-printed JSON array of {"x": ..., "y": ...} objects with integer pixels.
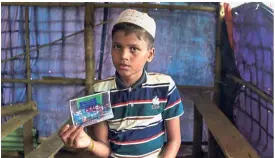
[{"x": 151, "y": 54}]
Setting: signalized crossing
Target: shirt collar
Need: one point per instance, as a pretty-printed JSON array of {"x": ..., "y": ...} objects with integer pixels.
[{"x": 138, "y": 84}]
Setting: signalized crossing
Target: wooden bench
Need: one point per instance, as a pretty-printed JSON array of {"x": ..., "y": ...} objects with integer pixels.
[
  {"x": 230, "y": 140},
  {"x": 16, "y": 122}
]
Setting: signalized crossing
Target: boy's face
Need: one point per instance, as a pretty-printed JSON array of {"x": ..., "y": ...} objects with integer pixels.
[{"x": 129, "y": 54}]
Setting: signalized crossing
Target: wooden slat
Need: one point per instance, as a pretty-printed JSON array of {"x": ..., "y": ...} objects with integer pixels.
[
  {"x": 16, "y": 122},
  {"x": 50, "y": 146},
  {"x": 16, "y": 108},
  {"x": 231, "y": 141}
]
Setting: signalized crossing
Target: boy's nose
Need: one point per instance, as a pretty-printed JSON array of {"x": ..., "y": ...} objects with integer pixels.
[{"x": 125, "y": 54}]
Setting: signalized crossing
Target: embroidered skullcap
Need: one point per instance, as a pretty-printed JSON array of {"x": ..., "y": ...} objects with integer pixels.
[{"x": 138, "y": 18}]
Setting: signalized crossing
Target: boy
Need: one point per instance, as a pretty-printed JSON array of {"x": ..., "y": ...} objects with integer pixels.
[{"x": 146, "y": 106}]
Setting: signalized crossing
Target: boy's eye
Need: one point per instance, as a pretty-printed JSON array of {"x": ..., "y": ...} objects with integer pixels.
[
  {"x": 117, "y": 47},
  {"x": 133, "y": 49}
]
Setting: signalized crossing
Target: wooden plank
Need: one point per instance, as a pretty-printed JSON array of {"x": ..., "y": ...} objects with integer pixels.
[
  {"x": 50, "y": 146},
  {"x": 197, "y": 136},
  {"x": 16, "y": 108},
  {"x": 16, "y": 122},
  {"x": 231, "y": 141},
  {"x": 27, "y": 127}
]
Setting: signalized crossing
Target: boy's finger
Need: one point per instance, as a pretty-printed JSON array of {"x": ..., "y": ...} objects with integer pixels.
[
  {"x": 73, "y": 135},
  {"x": 76, "y": 132},
  {"x": 62, "y": 130},
  {"x": 67, "y": 133}
]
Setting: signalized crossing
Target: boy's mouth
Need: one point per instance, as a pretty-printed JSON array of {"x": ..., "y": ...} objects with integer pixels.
[{"x": 124, "y": 67}]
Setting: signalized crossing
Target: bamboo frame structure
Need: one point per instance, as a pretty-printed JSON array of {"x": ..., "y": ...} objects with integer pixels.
[
  {"x": 253, "y": 88},
  {"x": 16, "y": 108},
  {"x": 16, "y": 122},
  {"x": 49, "y": 149},
  {"x": 44, "y": 45},
  {"x": 53, "y": 144},
  {"x": 115, "y": 5}
]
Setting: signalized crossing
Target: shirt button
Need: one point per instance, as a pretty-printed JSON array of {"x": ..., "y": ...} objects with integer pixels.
[
  {"x": 130, "y": 89},
  {"x": 132, "y": 105}
]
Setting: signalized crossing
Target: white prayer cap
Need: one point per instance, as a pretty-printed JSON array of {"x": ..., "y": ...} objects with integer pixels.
[{"x": 138, "y": 18}]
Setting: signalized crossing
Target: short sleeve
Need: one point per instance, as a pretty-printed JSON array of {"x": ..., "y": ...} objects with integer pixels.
[{"x": 174, "y": 106}]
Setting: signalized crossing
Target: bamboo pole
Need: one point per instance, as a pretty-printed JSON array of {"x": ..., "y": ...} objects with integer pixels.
[
  {"x": 44, "y": 4},
  {"x": 195, "y": 88},
  {"x": 45, "y": 81},
  {"x": 89, "y": 47},
  {"x": 16, "y": 108},
  {"x": 44, "y": 45},
  {"x": 116, "y": 5},
  {"x": 27, "y": 127},
  {"x": 153, "y": 6},
  {"x": 145, "y": 10},
  {"x": 253, "y": 88},
  {"x": 78, "y": 81},
  {"x": 16, "y": 122},
  {"x": 89, "y": 54},
  {"x": 213, "y": 146}
]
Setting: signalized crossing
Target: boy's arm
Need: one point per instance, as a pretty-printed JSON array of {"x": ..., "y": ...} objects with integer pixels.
[
  {"x": 171, "y": 114},
  {"x": 173, "y": 138},
  {"x": 99, "y": 133}
]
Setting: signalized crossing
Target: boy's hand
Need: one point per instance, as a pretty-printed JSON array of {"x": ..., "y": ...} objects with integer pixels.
[{"x": 74, "y": 137}]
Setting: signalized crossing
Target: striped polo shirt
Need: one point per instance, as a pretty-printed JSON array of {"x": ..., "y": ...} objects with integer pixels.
[{"x": 137, "y": 129}]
